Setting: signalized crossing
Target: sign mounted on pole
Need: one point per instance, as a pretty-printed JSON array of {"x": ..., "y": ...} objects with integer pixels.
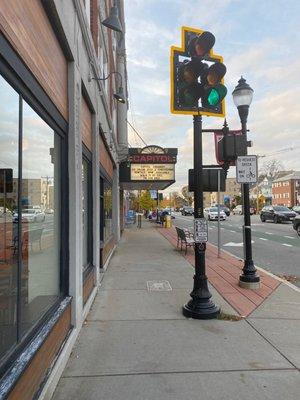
[
  {"x": 200, "y": 230},
  {"x": 246, "y": 169},
  {"x": 197, "y": 75}
]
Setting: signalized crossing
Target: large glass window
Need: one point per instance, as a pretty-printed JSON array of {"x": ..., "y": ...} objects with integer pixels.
[
  {"x": 107, "y": 206},
  {"x": 40, "y": 217},
  {"x": 9, "y": 138},
  {"x": 30, "y": 217},
  {"x": 105, "y": 209},
  {"x": 86, "y": 214}
]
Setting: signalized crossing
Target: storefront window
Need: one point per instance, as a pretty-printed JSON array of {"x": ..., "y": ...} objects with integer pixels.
[
  {"x": 30, "y": 217},
  {"x": 86, "y": 214},
  {"x": 9, "y": 111},
  {"x": 107, "y": 210},
  {"x": 40, "y": 217}
]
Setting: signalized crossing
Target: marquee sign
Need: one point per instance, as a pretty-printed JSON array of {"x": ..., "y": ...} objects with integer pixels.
[
  {"x": 152, "y": 172},
  {"x": 152, "y": 158},
  {"x": 149, "y": 167}
]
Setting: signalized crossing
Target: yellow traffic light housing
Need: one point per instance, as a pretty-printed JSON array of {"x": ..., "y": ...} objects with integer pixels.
[{"x": 197, "y": 75}]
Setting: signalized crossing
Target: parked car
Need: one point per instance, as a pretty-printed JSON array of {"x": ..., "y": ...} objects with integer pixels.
[
  {"x": 224, "y": 208},
  {"x": 296, "y": 209},
  {"x": 186, "y": 210},
  {"x": 277, "y": 214},
  {"x": 49, "y": 211},
  {"x": 296, "y": 224},
  {"x": 33, "y": 215},
  {"x": 211, "y": 213},
  {"x": 240, "y": 210}
]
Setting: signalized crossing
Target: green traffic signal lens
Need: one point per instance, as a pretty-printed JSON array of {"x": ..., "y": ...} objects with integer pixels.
[
  {"x": 216, "y": 95},
  {"x": 213, "y": 97}
]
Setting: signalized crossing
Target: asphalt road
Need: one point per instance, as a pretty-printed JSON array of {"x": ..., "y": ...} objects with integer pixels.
[{"x": 275, "y": 247}]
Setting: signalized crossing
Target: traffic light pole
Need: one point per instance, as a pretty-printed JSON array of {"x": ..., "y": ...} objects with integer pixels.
[
  {"x": 249, "y": 278},
  {"x": 200, "y": 306}
]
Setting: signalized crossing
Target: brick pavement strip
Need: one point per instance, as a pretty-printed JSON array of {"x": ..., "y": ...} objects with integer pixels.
[{"x": 223, "y": 274}]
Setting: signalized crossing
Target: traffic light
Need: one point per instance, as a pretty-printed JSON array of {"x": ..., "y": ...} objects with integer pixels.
[{"x": 197, "y": 76}]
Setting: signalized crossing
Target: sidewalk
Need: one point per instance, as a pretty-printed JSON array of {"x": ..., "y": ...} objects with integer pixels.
[{"x": 137, "y": 345}]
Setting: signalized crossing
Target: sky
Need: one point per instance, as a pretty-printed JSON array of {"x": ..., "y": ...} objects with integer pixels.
[{"x": 259, "y": 40}]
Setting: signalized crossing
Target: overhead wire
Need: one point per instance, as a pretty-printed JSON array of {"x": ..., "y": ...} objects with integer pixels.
[{"x": 133, "y": 128}]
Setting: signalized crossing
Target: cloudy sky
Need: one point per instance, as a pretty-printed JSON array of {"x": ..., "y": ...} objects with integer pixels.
[{"x": 258, "y": 39}]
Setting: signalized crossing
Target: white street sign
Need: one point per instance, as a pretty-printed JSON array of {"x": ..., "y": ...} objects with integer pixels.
[
  {"x": 200, "y": 230},
  {"x": 246, "y": 169}
]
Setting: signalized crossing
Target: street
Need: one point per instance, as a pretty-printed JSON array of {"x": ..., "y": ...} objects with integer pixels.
[{"x": 275, "y": 247}]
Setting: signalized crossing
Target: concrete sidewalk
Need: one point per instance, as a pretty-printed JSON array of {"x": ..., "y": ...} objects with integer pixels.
[{"x": 136, "y": 344}]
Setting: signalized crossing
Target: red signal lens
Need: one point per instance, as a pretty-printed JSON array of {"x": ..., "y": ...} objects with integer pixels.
[{"x": 202, "y": 44}]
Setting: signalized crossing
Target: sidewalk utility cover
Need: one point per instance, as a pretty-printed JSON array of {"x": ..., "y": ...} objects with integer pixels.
[{"x": 159, "y": 286}]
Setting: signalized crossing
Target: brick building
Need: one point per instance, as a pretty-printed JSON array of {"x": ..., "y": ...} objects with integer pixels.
[
  {"x": 286, "y": 190},
  {"x": 63, "y": 134}
]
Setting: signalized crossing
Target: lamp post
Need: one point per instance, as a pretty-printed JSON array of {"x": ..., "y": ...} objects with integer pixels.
[{"x": 242, "y": 97}]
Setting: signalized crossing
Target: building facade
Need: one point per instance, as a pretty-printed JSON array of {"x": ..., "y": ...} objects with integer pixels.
[
  {"x": 286, "y": 190},
  {"x": 232, "y": 189},
  {"x": 63, "y": 135}
]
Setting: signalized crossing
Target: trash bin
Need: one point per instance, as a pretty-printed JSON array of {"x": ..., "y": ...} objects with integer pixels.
[{"x": 168, "y": 221}]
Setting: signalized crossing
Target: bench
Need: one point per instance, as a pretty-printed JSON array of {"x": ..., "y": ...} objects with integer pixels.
[{"x": 184, "y": 236}]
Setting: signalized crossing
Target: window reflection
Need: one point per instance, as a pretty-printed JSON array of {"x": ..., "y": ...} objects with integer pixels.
[
  {"x": 85, "y": 213},
  {"x": 40, "y": 218},
  {"x": 107, "y": 200},
  {"x": 9, "y": 117}
]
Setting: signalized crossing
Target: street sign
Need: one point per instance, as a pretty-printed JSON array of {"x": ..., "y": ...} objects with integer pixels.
[
  {"x": 200, "y": 230},
  {"x": 246, "y": 169},
  {"x": 153, "y": 194}
]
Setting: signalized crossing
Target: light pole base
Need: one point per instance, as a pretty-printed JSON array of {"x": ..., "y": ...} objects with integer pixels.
[
  {"x": 201, "y": 310},
  {"x": 249, "y": 285}
]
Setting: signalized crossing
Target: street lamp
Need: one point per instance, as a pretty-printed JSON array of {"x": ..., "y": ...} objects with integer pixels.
[{"x": 242, "y": 97}]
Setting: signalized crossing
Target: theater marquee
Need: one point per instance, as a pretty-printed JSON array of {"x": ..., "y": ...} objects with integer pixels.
[
  {"x": 152, "y": 172},
  {"x": 151, "y": 167}
]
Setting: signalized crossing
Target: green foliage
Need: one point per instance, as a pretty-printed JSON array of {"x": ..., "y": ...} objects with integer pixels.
[{"x": 146, "y": 203}]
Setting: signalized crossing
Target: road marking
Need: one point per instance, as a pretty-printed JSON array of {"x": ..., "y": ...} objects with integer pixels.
[
  {"x": 289, "y": 237},
  {"x": 234, "y": 244},
  {"x": 231, "y": 231},
  {"x": 263, "y": 239},
  {"x": 288, "y": 245},
  {"x": 269, "y": 233}
]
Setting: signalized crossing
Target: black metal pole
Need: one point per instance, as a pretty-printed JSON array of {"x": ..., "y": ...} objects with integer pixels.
[
  {"x": 200, "y": 306},
  {"x": 249, "y": 278}
]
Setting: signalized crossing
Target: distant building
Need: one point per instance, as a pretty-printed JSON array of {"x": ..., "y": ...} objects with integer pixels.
[
  {"x": 232, "y": 189},
  {"x": 286, "y": 190},
  {"x": 263, "y": 190}
]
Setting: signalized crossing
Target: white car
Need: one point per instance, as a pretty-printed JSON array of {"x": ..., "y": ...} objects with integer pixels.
[
  {"x": 211, "y": 214},
  {"x": 33, "y": 215}
]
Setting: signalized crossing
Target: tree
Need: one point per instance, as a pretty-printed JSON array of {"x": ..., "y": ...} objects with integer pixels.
[
  {"x": 188, "y": 196},
  {"x": 177, "y": 201},
  {"x": 271, "y": 169},
  {"x": 146, "y": 202}
]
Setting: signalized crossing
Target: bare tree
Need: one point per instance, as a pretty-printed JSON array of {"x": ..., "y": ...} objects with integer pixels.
[
  {"x": 272, "y": 169},
  {"x": 188, "y": 196}
]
